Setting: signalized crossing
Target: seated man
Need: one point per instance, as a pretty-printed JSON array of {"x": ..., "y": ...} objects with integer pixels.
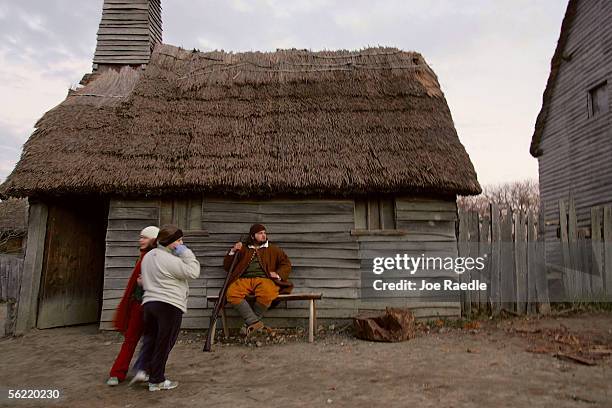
[{"x": 262, "y": 271}]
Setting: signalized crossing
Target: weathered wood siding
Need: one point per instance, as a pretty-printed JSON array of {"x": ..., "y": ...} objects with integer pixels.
[
  {"x": 426, "y": 226},
  {"x": 125, "y": 221},
  {"x": 316, "y": 235},
  {"x": 32, "y": 266},
  {"x": 577, "y": 148},
  {"x": 129, "y": 30}
]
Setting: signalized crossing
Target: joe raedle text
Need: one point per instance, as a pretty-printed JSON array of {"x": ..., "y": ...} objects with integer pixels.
[{"x": 424, "y": 285}]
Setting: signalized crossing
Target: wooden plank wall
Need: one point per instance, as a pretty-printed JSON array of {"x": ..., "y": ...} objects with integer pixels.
[
  {"x": 315, "y": 234},
  {"x": 125, "y": 221},
  {"x": 425, "y": 226},
  {"x": 129, "y": 30},
  {"x": 576, "y": 148},
  {"x": 32, "y": 267}
]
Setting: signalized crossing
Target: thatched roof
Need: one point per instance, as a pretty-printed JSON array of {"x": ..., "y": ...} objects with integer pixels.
[
  {"x": 13, "y": 215},
  {"x": 555, "y": 64},
  {"x": 289, "y": 122}
]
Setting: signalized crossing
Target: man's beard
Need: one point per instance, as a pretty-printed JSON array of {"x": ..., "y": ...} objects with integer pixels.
[{"x": 258, "y": 243}]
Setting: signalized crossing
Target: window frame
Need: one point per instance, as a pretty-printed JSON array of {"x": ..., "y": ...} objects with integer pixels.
[
  {"x": 369, "y": 216},
  {"x": 592, "y": 99}
]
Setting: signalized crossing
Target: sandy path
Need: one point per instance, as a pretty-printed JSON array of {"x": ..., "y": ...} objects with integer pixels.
[{"x": 456, "y": 368}]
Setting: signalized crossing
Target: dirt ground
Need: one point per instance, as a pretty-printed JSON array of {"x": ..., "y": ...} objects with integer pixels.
[{"x": 495, "y": 363}]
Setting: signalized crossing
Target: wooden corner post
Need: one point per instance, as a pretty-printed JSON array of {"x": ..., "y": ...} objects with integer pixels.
[{"x": 32, "y": 267}]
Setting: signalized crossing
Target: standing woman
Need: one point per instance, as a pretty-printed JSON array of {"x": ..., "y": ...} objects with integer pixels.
[
  {"x": 166, "y": 271},
  {"x": 129, "y": 315}
]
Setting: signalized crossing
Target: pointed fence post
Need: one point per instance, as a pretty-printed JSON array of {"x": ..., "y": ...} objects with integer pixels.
[
  {"x": 520, "y": 261},
  {"x": 507, "y": 278},
  {"x": 495, "y": 264},
  {"x": 607, "y": 230},
  {"x": 572, "y": 233},
  {"x": 532, "y": 269},
  {"x": 568, "y": 286},
  {"x": 474, "y": 237},
  {"x": 466, "y": 305},
  {"x": 597, "y": 283},
  {"x": 484, "y": 251},
  {"x": 541, "y": 269}
]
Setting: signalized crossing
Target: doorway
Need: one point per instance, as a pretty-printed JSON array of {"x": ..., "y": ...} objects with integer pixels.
[{"x": 73, "y": 264}]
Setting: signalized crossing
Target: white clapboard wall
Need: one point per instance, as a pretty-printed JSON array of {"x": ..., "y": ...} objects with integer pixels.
[{"x": 317, "y": 234}]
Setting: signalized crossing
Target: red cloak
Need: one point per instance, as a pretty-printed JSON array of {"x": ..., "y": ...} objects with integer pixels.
[{"x": 122, "y": 314}]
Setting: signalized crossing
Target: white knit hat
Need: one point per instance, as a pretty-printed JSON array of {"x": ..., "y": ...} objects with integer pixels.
[{"x": 150, "y": 232}]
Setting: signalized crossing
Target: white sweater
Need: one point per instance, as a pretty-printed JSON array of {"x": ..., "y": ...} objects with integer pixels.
[{"x": 165, "y": 276}]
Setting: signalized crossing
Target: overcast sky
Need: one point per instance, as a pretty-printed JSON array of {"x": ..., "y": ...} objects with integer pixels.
[{"x": 492, "y": 57}]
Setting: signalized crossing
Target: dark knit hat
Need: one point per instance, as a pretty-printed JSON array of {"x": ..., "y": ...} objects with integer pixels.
[
  {"x": 255, "y": 228},
  {"x": 168, "y": 234}
]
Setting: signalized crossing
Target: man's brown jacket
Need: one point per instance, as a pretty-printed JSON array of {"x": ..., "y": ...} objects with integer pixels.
[{"x": 271, "y": 259}]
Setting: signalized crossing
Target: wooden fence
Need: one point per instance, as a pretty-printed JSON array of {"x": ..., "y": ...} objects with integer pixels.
[
  {"x": 586, "y": 254},
  {"x": 514, "y": 272},
  {"x": 10, "y": 283},
  {"x": 518, "y": 262}
]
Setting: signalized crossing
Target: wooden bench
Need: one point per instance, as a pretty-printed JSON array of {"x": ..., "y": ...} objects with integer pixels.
[{"x": 312, "y": 317}]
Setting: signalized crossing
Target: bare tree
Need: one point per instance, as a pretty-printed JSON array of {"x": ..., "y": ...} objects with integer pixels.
[
  {"x": 13, "y": 225},
  {"x": 523, "y": 195},
  {"x": 11, "y": 242}
]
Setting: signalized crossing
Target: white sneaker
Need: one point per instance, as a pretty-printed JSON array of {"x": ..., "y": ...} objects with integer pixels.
[
  {"x": 166, "y": 385},
  {"x": 141, "y": 376},
  {"x": 112, "y": 381}
]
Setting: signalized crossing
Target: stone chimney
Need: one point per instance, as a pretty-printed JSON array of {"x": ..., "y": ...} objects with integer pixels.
[{"x": 128, "y": 32}]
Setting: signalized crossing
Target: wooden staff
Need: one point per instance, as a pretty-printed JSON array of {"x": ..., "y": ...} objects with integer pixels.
[{"x": 220, "y": 303}]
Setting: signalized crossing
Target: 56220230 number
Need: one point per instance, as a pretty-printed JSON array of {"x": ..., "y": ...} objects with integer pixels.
[{"x": 33, "y": 394}]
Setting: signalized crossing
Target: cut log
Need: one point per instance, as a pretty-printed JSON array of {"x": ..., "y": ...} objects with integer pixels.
[{"x": 396, "y": 324}]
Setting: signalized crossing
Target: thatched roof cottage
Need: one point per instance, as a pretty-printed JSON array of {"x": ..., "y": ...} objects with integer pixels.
[{"x": 339, "y": 153}]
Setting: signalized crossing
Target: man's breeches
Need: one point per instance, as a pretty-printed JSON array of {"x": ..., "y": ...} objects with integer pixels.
[{"x": 264, "y": 289}]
